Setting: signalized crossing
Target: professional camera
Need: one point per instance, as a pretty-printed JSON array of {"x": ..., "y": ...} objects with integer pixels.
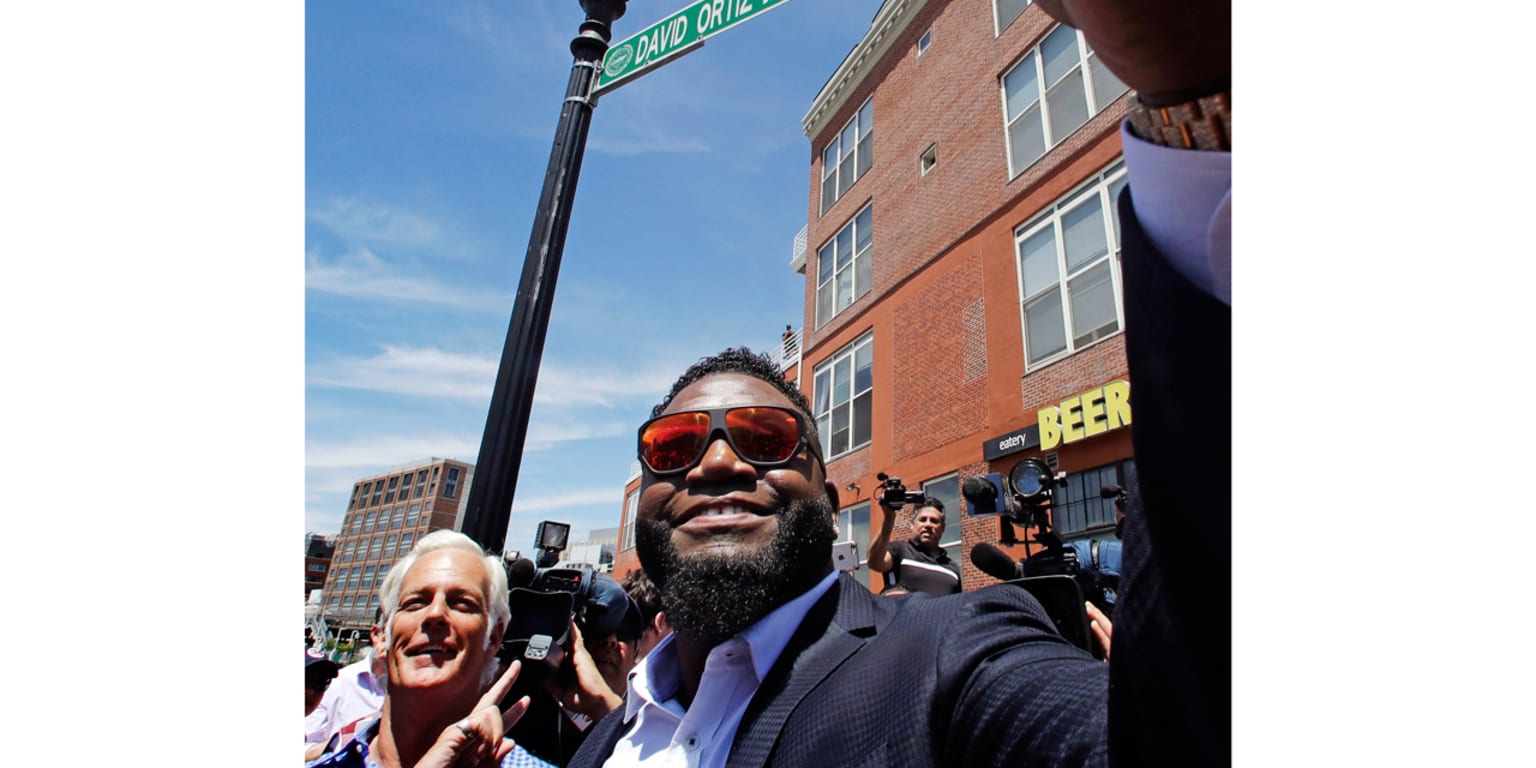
[
  {"x": 895, "y": 494},
  {"x": 1024, "y": 497},
  {"x": 1059, "y": 575},
  {"x": 545, "y": 600},
  {"x": 1094, "y": 564}
]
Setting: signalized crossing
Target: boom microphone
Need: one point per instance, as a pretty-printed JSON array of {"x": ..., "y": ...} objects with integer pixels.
[
  {"x": 1110, "y": 491},
  {"x": 994, "y": 562}
]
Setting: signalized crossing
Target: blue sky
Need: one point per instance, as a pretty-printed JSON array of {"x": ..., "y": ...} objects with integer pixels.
[{"x": 427, "y": 130}]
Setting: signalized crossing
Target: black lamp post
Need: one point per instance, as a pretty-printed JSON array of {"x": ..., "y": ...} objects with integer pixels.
[{"x": 506, "y": 425}]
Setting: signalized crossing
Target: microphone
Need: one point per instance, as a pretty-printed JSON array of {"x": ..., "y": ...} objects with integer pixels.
[
  {"x": 1110, "y": 491},
  {"x": 978, "y": 491},
  {"x": 520, "y": 572},
  {"x": 994, "y": 562}
]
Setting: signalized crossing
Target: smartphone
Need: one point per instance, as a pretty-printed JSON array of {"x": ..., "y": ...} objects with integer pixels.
[
  {"x": 1063, "y": 603},
  {"x": 845, "y": 555}
]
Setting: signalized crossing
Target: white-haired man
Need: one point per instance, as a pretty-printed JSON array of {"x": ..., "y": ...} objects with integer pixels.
[{"x": 444, "y": 611}]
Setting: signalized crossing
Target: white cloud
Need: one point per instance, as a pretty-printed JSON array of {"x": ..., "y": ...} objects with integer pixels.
[
  {"x": 629, "y": 145},
  {"x": 378, "y": 453},
  {"x": 546, "y": 504},
  {"x": 560, "y": 386},
  {"x": 412, "y": 371},
  {"x": 361, "y": 274},
  {"x": 437, "y": 373},
  {"x": 354, "y": 220}
]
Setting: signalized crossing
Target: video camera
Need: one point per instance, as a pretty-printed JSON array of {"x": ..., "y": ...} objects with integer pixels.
[
  {"x": 1024, "y": 497},
  {"x": 544, "y": 600},
  {"x": 1059, "y": 575},
  {"x": 895, "y": 494}
]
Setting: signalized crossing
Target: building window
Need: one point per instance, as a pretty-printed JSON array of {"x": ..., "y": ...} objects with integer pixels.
[
  {"x": 368, "y": 577},
  {"x": 1007, "y": 11},
  {"x": 399, "y": 517},
  {"x": 389, "y": 496},
  {"x": 924, "y": 41},
  {"x": 405, "y": 544},
  {"x": 378, "y": 493},
  {"x": 843, "y": 267},
  {"x": 853, "y": 524},
  {"x": 843, "y": 394},
  {"x": 405, "y": 485},
  {"x": 1076, "y": 238},
  {"x": 1077, "y": 86},
  {"x": 352, "y": 579},
  {"x": 414, "y": 517},
  {"x": 929, "y": 159},
  {"x": 631, "y": 508},
  {"x": 355, "y": 491},
  {"x": 375, "y": 547},
  {"x": 452, "y": 483},
  {"x": 947, "y": 490},
  {"x": 421, "y": 483},
  {"x": 1080, "y": 512},
  {"x": 848, "y": 156}
]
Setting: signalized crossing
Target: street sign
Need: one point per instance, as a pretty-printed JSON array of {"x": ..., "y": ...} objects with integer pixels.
[{"x": 677, "y": 34}]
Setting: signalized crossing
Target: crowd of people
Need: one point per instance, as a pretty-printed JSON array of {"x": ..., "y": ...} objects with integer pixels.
[{"x": 750, "y": 648}]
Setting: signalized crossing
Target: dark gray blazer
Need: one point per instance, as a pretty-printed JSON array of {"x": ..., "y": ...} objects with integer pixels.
[{"x": 980, "y": 678}]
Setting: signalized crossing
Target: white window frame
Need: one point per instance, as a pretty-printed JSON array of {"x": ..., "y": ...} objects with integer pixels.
[
  {"x": 924, "y": 165},
  {"x": 997, "y": 21},
  {"x": 924, "y": 42},
  {"x": 631, "y": 508},
  {"x": 829, "y": 253},
  {"x": 1091, "y": 81},
  {"x": 1104, "y": 185},
  {"x": 822, "y": 393},
  {"x": 845, "y": 532},
  {"x": 860, "y": 156}
]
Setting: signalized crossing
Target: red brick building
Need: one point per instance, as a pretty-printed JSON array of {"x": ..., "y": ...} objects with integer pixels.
[
  {"x": 385, "y": 517},
  {"x": 962, "y": 297},
  {"x": 962, "y": 268}
]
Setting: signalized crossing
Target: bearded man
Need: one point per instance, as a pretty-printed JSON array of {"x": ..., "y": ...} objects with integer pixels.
[{"x": 775, "y": 658}]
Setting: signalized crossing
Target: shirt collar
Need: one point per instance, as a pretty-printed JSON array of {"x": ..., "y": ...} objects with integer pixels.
[{"x": 656, "y": 678}]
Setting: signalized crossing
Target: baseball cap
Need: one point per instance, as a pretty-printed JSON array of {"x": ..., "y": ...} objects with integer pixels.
[{"x": 314, "y": 656}]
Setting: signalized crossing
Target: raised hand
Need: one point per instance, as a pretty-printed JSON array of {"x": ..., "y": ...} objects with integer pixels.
[{"x": 476, "y": 741}]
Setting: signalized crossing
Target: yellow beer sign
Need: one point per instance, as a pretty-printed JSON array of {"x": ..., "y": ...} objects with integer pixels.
[{"x": 1086, "y": 414}]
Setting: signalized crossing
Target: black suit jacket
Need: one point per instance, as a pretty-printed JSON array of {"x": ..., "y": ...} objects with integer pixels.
[
  {"x": 1172, "y": 647},
  {"x": 980, "y": 678}
]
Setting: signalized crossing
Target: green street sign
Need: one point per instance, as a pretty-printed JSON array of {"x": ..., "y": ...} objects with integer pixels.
[{"x": 677, "y": 34}]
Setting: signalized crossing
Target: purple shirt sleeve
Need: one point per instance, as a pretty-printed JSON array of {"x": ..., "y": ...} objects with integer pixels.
[{"x": 1183, "y": 199}]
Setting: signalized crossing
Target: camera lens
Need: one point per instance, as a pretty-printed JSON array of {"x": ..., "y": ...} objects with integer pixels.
[
  {"x": 1029, "y": 483},
  {"x": 1031, "y": 478}
]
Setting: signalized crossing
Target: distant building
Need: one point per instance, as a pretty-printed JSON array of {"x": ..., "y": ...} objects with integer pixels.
[
  {"x": 386, "y": 515},
  {"x": 625, "y": 560},
  {"x": 597, "y": 551},
  {"x": 317, "y": 561}
]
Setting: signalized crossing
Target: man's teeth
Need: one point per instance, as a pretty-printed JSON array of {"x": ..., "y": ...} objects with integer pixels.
[{"x": 714, "y": 511}]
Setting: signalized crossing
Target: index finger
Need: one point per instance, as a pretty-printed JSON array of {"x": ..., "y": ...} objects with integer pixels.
[{"x": 502, "y": 686}]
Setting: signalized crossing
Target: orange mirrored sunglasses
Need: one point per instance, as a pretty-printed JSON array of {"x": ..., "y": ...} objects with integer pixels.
[{"x": 762, "y": 435}]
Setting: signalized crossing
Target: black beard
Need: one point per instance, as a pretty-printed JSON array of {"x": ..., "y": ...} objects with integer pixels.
[{"x": 710, "y": 598}]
